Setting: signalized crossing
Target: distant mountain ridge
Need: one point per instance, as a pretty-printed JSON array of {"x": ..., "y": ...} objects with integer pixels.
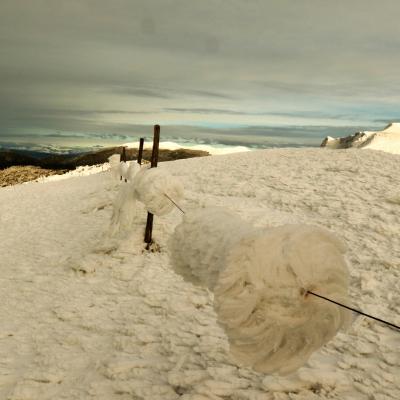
[
  {"x": 11, "y": 157},
  {"x": 387, "y": 140}
]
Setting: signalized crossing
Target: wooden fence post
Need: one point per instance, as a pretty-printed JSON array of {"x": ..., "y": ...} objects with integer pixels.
[
  {"x": 123, "y": 155},
  {"x": 123, "y": 158},
  {"x": 140, "y": 154},
  {"x": 154, "y": 162}
]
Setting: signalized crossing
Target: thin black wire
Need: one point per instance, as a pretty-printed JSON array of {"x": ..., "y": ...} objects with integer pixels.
[
  {"x": 176, "y": 205},
  {"x": 357, "y": 311}
]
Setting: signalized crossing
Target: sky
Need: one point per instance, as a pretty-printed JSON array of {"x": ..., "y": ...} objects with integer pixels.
[{"x": 255, "y": 73}]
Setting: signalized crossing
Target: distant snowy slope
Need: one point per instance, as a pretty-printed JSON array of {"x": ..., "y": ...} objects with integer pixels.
[
  {"x": 87, "y": 316},
  {"x": 215, "y": 149},
  {"x": 386, "y": 140}
]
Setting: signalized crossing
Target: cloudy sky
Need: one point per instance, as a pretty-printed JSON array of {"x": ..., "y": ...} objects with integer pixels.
[{"x": 234, "y": 71}]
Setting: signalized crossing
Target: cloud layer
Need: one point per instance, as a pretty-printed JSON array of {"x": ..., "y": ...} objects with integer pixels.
[{"x": 111, "y": 67}]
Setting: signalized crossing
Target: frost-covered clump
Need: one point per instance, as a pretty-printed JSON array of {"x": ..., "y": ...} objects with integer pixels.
[
  {"x": 132, "y": 170},
  {"x": 260, "y": 280},
  {"x": 199, "y": 245},
  {"x": 153, "y": 187},
  {"x": 123, "y": 169},
  {"x": 119, "y": 168},
  {"x": 114, "y": 161},
  {"x": 149, "y": 186},
  {"x": 124, "y": 209}
]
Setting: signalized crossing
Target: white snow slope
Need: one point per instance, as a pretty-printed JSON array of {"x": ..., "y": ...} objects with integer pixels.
[
  {"x": 84, "y": 316},
  {"x": 386, "y": 140}
]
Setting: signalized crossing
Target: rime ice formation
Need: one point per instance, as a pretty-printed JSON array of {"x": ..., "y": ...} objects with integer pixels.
[
  {"x": 120, "y": 168},
  {"x": 151, "y": 186},
  {"x": 123, "y": 169},
  {"x": 260, "y": 279},
  {"x": 386, "y": 140},
  {"x": 199, "y": 245},
  {"x": 133, "y": 169},
  {"x": 146, "y": 185},
  {"x": 114, "y": 161},
  {"x": 124, "y": 209},
  {"x": 260, "y": 296}
]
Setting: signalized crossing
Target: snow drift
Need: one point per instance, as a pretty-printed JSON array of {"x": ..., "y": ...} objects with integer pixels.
[
  {"x": 386, "y": 140},
  {"x": 260, "y": 280}
]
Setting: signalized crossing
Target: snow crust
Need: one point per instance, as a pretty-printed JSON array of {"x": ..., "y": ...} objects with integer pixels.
[
  {"x": 260, "y": 279},
  {"x": 152, "y": 186},
  {"x": 85, "y": 316}
]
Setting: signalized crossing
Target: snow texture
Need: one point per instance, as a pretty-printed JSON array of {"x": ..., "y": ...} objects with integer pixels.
[
  {"x": 261, "y": 296},
  {"x": 199, "y": 245},
  {"x": 153, "y": 185},
  {"x": 260, "y": 279},
  {"x": 85, "y": 316}
]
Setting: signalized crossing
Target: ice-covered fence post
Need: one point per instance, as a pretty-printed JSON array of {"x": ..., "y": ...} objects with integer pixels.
[
  {"x": 140, "y": 154},
  {"x": 123, "y": 159},
  {"x": 154, "y": 162}
]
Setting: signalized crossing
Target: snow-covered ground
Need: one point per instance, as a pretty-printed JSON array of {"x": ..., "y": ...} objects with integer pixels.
[{"x": 87, "y": 316}]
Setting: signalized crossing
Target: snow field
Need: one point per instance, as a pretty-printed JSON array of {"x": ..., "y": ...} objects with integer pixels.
[{"x": 89, "y": 316}]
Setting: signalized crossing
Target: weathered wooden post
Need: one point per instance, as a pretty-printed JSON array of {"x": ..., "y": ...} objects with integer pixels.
[
  {"x": 123, "y": 158},
  {"x": 154, "y": 162},
  {"x": 123, "y": 155},
  {"x": 140, "y": 154}
]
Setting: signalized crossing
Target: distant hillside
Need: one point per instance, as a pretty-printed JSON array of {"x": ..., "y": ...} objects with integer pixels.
[
  {"x": 10, "y": 158},
  {"x": 386, "y": 140}
]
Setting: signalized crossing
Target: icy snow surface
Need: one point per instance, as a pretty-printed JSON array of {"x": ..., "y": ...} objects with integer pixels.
[
  {"x": 260, "y": 279},
  {"x": 84, "y": 316}
]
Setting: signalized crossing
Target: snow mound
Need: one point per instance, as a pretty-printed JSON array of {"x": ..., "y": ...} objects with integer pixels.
[
  {"x": 387, "y": 140},
  {"x": 152, "y": 186},
  {"x": 260, "y": 280}
]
